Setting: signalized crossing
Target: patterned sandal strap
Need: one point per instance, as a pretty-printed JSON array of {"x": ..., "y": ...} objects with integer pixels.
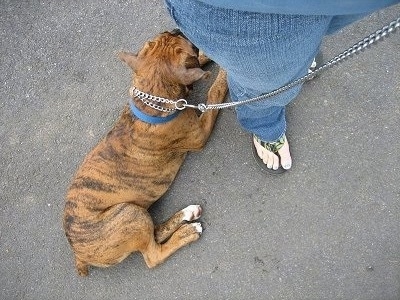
[{"x": 272, "y": 146}]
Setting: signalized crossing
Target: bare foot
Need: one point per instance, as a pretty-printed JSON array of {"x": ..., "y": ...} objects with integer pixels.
[{"x": 272, "y": 160}]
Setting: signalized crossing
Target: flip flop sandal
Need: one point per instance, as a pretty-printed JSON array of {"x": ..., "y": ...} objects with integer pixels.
[{"x": 272, "y": 147}]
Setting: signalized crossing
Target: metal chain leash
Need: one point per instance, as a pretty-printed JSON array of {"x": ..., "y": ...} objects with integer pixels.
[{"x": 355, "y": 49}]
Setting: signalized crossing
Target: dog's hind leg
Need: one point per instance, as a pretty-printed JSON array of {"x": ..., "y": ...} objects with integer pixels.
[
  {"x": 110, "y": 237},
  {"x": 156, "y": 253},
  {"x": 163, "y": 231},
  {"x": 126, "y": 228}
]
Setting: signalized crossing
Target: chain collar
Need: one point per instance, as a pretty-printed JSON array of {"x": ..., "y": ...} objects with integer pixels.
[{"x": 155, "y": 101}]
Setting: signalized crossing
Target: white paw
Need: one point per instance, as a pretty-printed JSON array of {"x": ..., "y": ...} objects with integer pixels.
[
  {"x": 192, "y": 212},
  {"x": 197, "y": 226}
]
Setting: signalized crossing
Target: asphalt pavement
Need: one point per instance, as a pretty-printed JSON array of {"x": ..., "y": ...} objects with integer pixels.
[{"x": 327, "y": 229}]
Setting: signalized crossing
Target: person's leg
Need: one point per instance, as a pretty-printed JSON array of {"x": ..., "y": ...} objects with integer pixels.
[{"x": 260, "y": 52}]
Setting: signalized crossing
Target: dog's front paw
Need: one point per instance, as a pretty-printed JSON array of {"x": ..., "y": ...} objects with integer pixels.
[
  {"x": 203, "y": 59},
  {"x": 190, "y": 231},
  {"x": 192, "y": 212},
  {"x": 198, "y": 227}
]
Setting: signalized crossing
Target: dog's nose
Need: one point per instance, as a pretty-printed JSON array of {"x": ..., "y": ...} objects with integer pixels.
[{"x": 177, "y": 32}]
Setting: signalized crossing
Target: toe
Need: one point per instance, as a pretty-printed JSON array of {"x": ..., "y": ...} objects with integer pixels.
[
  {"x": 269, "y": 162},
  {"x": 275, "y": 164},
  {"x": 286, "y": 159},
  {"x": 260, "y": 151},
  {"x": 272, "y": 160}
]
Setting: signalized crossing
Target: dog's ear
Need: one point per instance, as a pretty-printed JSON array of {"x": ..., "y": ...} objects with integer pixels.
[
  {"x": 189, "y": 71},
  {"x": 129, "y": 58},
  {"x": 132, "y": 59},
  {"x": 188, "y": 76}
]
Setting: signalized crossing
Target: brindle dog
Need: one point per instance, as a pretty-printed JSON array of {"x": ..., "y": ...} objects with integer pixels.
[{"x": 105, "y": 215}]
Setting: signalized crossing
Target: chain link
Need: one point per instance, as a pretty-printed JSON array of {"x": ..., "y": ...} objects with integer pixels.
[
  {"x": 150, "y": 99},
  {"x": 355, "y": 49}
]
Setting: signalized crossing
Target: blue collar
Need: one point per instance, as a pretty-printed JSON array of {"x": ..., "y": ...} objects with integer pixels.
[{"x": 151, "y": 119}]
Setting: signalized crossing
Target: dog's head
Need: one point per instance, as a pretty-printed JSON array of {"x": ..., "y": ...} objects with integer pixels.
[{"x": 170, "y": 57}]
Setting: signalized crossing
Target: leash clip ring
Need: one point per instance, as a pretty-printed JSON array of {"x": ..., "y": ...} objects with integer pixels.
[{"x": 181, "y": 104}]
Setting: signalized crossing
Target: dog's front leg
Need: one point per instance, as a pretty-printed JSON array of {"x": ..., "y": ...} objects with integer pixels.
[
  {"x": 197, "y": 133},
  {"x": 216, "y": 94}
]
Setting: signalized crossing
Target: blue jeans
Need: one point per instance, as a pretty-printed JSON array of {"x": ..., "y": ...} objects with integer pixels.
[{"x": 260, "y": 52}]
